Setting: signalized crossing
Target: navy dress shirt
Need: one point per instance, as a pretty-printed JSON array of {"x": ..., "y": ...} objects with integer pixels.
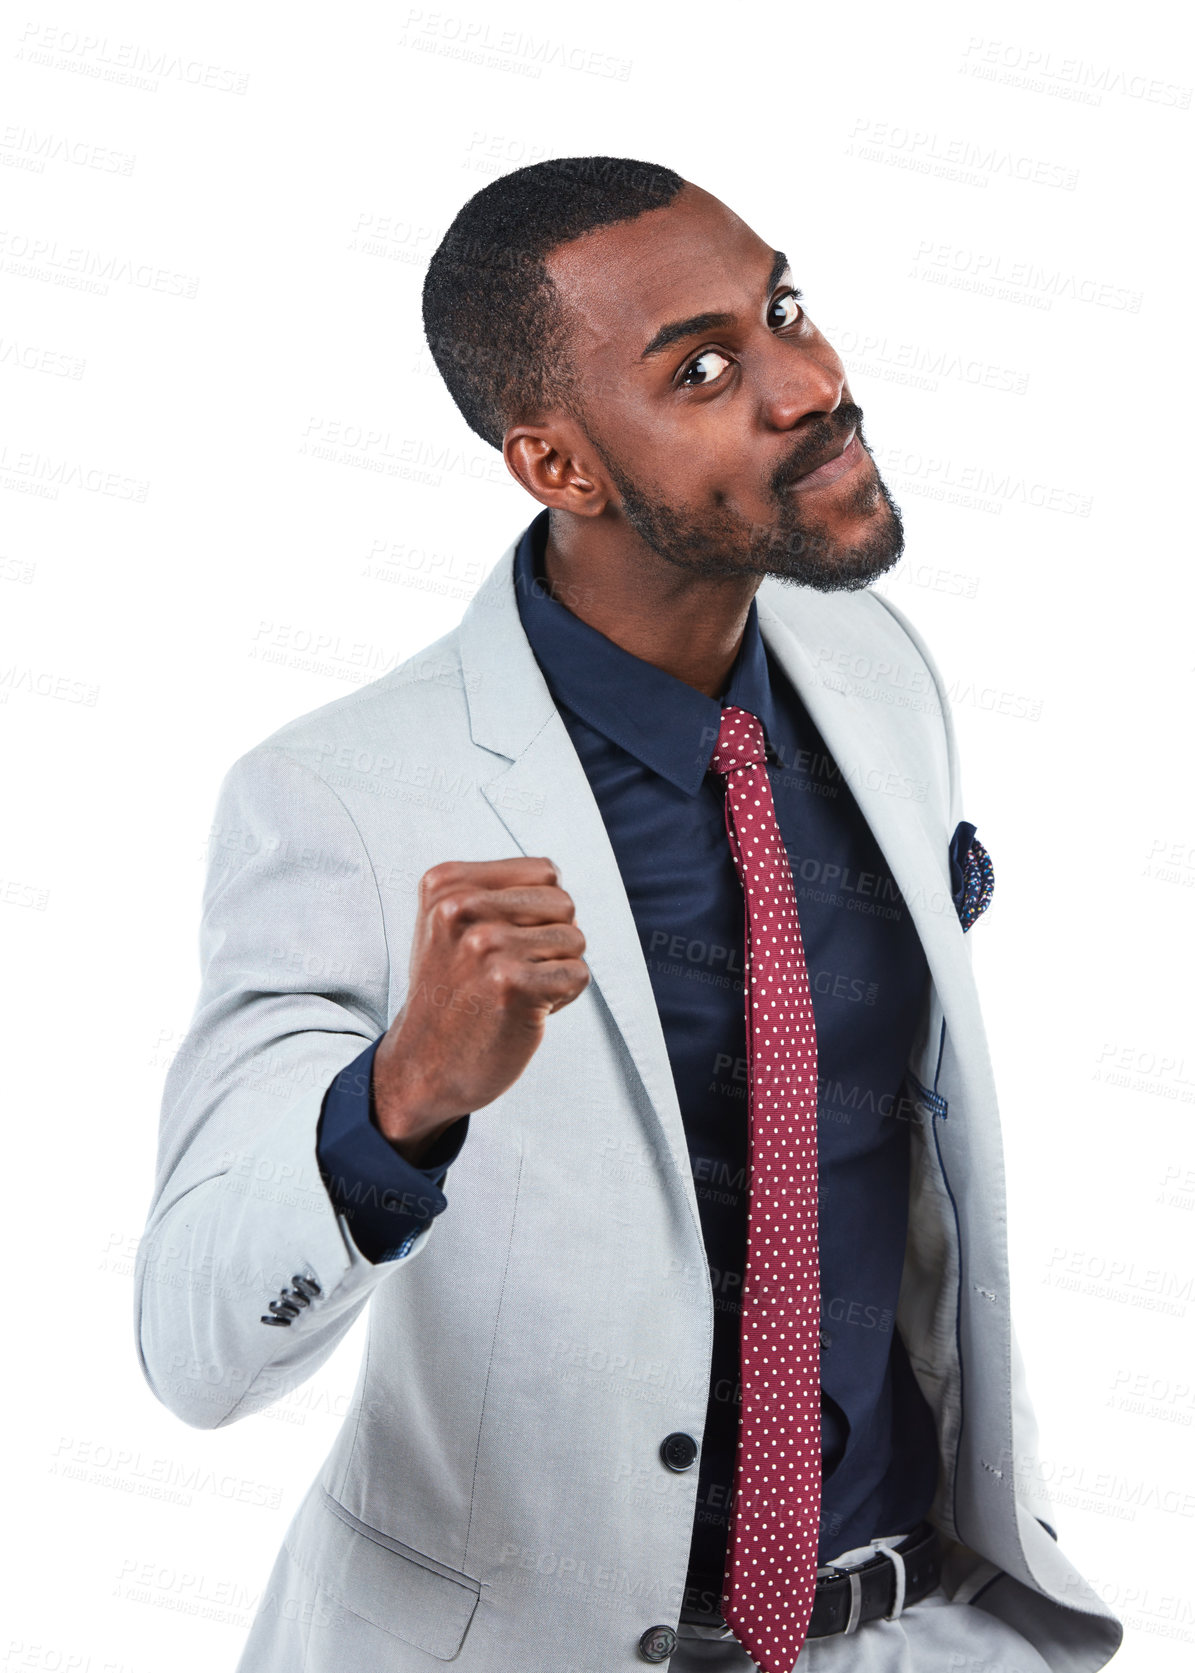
[{"x": 644, "y": 739}]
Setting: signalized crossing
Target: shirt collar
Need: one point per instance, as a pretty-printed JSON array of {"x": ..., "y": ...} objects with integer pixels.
[{"x": 664, "y": 723}]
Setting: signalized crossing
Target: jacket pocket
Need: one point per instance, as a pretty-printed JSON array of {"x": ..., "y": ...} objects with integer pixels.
[{"x": 403, "y": 1592}]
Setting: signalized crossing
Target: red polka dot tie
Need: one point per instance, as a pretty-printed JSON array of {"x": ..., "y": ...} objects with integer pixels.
[{"x": 771, "y": 1566}]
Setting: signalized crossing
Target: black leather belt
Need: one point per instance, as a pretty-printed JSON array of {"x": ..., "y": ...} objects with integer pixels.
[
  {"x": 843, "y": 1601},
  {"x": 846, "y": 1598}
]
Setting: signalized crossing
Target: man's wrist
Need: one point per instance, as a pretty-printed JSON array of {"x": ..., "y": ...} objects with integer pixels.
[
  {"x": 413, "y": 1150},
  {"x": 397, "y": 1114}
]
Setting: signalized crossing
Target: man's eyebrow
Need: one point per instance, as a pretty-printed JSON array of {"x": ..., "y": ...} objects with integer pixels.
[{"x": 697, "y": 323}]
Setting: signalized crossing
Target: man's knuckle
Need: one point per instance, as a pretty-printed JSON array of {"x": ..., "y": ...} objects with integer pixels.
[
  {"x": 480, "y": 939},
  {"x": 437, "y": 877},
  {"x": 501, "y": 976},
  {"x": 446, "y": 910}
]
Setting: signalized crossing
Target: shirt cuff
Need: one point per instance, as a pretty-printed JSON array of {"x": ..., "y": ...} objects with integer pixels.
[{"x": 386, "y": 1200}]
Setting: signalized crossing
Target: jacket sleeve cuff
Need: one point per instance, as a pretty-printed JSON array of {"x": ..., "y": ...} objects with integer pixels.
[{"x": 386, "y": 1200}]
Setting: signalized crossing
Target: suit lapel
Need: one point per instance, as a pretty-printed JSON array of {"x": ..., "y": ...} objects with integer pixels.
[
  {"x": 908, "y": 832},
  {"x": 544, "y": 799}
]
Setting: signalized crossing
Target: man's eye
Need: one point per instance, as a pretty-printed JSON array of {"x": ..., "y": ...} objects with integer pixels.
[
  {"x": 786, "y": 310},
  {"x": 695, "y": 374}
]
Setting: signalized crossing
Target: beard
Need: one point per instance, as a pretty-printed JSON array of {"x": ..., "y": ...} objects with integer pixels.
[{"x": 795, "y": 546}]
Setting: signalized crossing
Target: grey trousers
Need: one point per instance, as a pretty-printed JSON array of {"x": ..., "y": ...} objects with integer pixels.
[{"x": 933, "y": 1636}]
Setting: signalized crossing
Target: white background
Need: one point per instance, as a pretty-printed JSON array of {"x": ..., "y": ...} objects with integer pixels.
[{"x": 983, "y": 205}]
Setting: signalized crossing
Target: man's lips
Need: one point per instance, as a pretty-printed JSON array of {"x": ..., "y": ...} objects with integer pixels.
[{"x": 841, "y": 460}]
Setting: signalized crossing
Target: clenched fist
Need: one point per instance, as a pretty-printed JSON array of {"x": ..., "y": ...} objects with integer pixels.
[{"x": 495, "y": 952}]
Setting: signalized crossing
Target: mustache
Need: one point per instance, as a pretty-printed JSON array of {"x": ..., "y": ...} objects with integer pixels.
[{"x": 819, "y": 438}]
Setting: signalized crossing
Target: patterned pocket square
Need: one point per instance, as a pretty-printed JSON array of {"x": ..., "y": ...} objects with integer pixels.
[{"x": 971, "y": 876}]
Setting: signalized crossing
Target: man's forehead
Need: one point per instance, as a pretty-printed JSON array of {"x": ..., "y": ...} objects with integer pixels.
[{"x": 620, "y": 283}]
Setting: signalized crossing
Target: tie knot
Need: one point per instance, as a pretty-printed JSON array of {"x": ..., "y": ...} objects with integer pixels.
[{"x": 740, "y": 741}]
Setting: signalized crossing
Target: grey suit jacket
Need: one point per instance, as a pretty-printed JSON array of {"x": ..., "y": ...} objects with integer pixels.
[{"x": 496, "y": 1495}]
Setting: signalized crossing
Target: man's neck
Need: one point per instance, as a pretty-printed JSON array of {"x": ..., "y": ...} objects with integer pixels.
[{"x": 687, "y": 625}]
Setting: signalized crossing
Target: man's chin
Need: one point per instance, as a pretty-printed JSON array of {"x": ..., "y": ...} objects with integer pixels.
[
  {"x": 864, "y": 540},
  {"x": 833, "y": 560}
]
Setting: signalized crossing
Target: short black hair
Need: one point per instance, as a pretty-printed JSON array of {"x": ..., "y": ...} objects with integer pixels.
[{"x": 492, "y": 316}]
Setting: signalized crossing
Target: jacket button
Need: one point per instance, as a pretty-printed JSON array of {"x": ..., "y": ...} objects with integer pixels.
[
  {"x": 678, "y": 1450},
  {"x": 657, "y": 1644}
]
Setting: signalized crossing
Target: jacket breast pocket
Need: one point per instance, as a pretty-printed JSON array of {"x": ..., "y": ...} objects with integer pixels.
[{"x": 400, "y": 1591}]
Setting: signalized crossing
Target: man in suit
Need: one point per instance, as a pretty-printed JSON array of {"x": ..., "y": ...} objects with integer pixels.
[{"x": 488, "y": 918}]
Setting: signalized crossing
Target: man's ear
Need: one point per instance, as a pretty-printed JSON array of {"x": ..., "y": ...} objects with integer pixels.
[{"x": 558, "y": 467}]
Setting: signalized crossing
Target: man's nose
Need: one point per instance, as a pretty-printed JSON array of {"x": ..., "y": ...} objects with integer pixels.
[{"x": 800, "y": 383}]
